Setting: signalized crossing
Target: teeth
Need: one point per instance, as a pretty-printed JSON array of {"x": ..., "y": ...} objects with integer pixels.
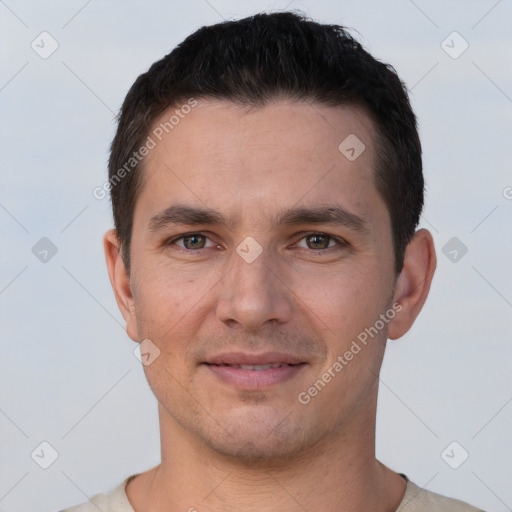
[{"x": 258, "y": 366}]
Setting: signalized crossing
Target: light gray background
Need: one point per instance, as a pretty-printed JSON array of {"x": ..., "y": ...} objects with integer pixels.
[{"x": 67, "y": 372}]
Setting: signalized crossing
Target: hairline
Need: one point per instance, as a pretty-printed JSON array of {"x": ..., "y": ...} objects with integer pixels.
[{"x": 381, "y": 146}]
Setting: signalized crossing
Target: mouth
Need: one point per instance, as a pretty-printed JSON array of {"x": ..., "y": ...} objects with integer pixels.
[
  {"x": 261, "y": 372},
  {"x": 257, "y": 367},
  {"x": 261, "y": 359}
]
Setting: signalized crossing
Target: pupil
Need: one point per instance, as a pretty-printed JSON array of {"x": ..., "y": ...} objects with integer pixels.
[
  {"x": 194, "y": 241},
  {"x": 318, "y": 241}
]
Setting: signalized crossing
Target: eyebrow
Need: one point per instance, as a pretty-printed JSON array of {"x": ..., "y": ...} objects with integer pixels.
[{"x": 330, "y": 215}]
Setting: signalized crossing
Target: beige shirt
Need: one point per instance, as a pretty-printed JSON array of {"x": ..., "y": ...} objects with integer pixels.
[{"x": 415, "y": 499}]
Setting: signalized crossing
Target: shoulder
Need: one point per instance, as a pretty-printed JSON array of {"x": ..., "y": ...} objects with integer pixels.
[
  {"x": 417, "y": 499},
  {"x": 115, "y": 500}
]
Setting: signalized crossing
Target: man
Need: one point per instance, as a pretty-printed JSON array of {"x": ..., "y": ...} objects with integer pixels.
[{"x": 266, "y": 183}]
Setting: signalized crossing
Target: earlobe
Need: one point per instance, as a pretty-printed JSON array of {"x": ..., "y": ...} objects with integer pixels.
[
  {"x": 120, "y": 281},
  {"x": 414, "y": 282}
]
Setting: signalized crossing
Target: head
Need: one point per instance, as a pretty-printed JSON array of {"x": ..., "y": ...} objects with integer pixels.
[
  {"x": 271, "y": 190},
  {"x": 253, "y": 61}
]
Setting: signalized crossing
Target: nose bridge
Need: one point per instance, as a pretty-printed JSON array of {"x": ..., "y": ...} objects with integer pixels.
[
  {"x": 252, "y": 294},
  {"x": 253, "y": 274}
]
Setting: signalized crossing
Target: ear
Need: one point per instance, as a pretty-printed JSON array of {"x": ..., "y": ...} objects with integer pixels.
[
  {"x": 414, "y": 282},
  {"x": 120, "y": 281}
]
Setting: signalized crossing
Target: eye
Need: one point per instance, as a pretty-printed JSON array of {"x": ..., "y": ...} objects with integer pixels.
[
  {"x": 192, "y": 241},
  {"x": 319, "y": 241}
]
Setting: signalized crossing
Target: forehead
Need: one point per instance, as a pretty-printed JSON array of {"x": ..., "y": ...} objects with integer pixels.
[
  {"x": 239, "y": 159},
  {"x": 303, "y": 127}
]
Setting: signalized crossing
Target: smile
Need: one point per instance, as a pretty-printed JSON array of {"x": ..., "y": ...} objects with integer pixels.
[
  {"x": 255, "y": 376},
  {"x": 257, "y": 367}
]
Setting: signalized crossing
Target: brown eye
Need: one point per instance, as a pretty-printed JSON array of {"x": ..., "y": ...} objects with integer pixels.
[
  {"x": 193, "y": 241},
  {"x": 318, "y": 241}
]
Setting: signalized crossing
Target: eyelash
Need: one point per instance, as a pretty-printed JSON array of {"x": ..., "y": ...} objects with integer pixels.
[{"x": 340, "y": 241}]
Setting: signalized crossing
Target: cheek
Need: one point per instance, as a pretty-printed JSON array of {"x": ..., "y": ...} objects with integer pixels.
[
  {"x": 171, "y": 303},
  {"x": 169, "y": 307},
  {"x": 341, "y": 297},
  {"x": 342, "y": 305},
  {"x": 342, "y": 309}
]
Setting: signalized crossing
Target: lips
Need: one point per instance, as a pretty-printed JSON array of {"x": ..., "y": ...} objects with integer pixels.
[
  {"x": 255, "y": 371},
  {"x": 257, "y": 367}
]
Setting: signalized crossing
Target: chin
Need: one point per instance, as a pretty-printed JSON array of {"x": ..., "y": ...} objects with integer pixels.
[
  {"x": 251, "y": 452},
  {"x": 271, "y": 438}
]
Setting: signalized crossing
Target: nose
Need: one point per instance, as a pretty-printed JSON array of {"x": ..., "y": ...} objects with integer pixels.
[{"x": 254, "y": 295}]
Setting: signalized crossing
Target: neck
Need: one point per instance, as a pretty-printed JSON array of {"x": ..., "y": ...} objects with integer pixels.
[{"x": 339, "y": 473}]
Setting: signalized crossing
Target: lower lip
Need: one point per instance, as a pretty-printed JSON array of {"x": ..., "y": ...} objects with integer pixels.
[{"x": 255, "y": 379}]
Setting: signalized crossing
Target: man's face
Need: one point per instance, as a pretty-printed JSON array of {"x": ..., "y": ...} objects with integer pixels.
[{"x": 203, "y": 293}]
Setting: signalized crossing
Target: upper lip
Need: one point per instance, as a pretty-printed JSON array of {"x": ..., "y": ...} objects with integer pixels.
[{"x": 238, "y": 358}]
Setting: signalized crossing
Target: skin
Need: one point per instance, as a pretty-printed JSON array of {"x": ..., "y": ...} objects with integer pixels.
[{"x": 225, "y": 448}]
